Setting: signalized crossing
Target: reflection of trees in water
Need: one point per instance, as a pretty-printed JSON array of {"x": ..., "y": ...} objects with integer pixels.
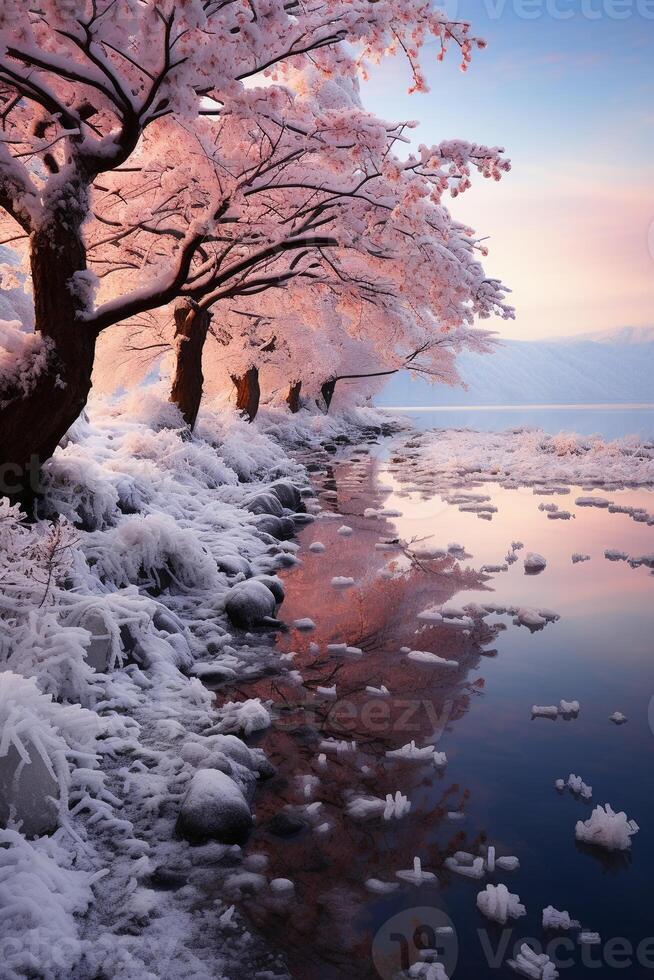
[{"x": 325, "y": 934}]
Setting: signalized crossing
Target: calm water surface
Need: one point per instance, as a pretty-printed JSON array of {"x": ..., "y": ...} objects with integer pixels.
[
  {"x": 611, "y": 421},
  {"x": 502, "y": 765}
]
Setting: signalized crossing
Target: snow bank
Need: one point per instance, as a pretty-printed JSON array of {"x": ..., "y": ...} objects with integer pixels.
[{"x": 113, "y": 605}]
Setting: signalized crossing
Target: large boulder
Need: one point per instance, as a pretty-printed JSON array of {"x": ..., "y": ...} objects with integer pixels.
[
  {"x": 264, "y": 503},
  {"x": 214, "y": 808},
  {"x": 234, "y": 565},
  {"x": 282, "y": 528},
  {"x": 250, "y": 604},
  {"x": 288, "y": 495},
  {"x": 29, "y": 793},
  {"x": 276, "y": 586}
]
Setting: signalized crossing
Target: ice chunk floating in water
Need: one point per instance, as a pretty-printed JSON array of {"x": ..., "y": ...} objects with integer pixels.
[
  {"x": 498, "y": 904},
  {"x": 607, "y": 829}
]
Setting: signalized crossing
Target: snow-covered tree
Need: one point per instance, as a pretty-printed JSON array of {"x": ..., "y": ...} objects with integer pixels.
[
  {"x": 319, "y": 198},
  {"x": 93, "y": 92}
]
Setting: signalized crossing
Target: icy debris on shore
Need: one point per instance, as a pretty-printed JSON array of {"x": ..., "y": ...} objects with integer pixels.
[
  {"x": 607, "y": 829},
  {"x": 425, "y": 657},
  {"x": 415, "y": 875},
  {"x": 243, "y": 716},
  {"x": 553, "y": 919},
  {"x": 493, "y": 569},
  {"x": 345, "y": 531},
  {"x": 498, "y": 904},
  {"x": 327, "y": 692},
  {"x": 411, "y": 753},
  {"x": 536, "y": 966},
  {"x": 578, "y": 558},
  {"x": 317, "y": 547},
  {"x": 365, "y": 807},
  {"x": 534, "y": 563},
  {"x": 618, "y": 718},
  {"x": 569, "y": 709},
  {"x": 576, "y": 785},
  {"x": 342, "y": 582},
  {"x": 378, "y": 692},
  {"x": 587, "y": 938}
]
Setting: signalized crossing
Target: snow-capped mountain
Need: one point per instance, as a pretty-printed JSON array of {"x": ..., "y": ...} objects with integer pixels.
[{"x": 603, "y": 367}]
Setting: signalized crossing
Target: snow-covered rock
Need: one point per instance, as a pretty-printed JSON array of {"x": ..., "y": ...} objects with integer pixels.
[
  {"x": 250, "y": 604},
  {"x": 214, "y": 808}
]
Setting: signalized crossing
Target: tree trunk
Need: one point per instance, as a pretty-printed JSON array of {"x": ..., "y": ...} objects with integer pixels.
[
  {"x": 293, "y": 397},
  {"x": 327, "y": 392},
  {"x": 248, "y": 393},
  {"x": 191, "y": 326},
  {"x": 33, "y": 422}
]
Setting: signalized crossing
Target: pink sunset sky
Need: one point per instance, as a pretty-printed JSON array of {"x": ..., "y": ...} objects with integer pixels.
[{"x": 572, "y": 227}]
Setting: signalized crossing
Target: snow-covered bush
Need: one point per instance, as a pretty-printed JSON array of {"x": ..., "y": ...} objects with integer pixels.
[{"x": 36, "y": 730}]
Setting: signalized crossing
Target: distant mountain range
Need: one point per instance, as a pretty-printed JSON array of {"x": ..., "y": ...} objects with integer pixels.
[{"x": 613, "y": 366}]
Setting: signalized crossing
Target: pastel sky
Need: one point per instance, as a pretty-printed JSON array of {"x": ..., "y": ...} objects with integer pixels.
[{"x": 572, "y": 101}]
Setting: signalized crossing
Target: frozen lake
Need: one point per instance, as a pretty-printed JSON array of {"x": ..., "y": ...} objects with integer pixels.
[
  {"x": 498, "y": 785},
  {"x": 609, "y": 421}
]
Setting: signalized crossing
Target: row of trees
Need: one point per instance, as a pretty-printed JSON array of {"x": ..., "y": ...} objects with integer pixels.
[{"x": 201, "y": 176}]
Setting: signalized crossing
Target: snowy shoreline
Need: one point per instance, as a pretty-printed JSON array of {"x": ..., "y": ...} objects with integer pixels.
[{"x": 157, "y": 534}]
